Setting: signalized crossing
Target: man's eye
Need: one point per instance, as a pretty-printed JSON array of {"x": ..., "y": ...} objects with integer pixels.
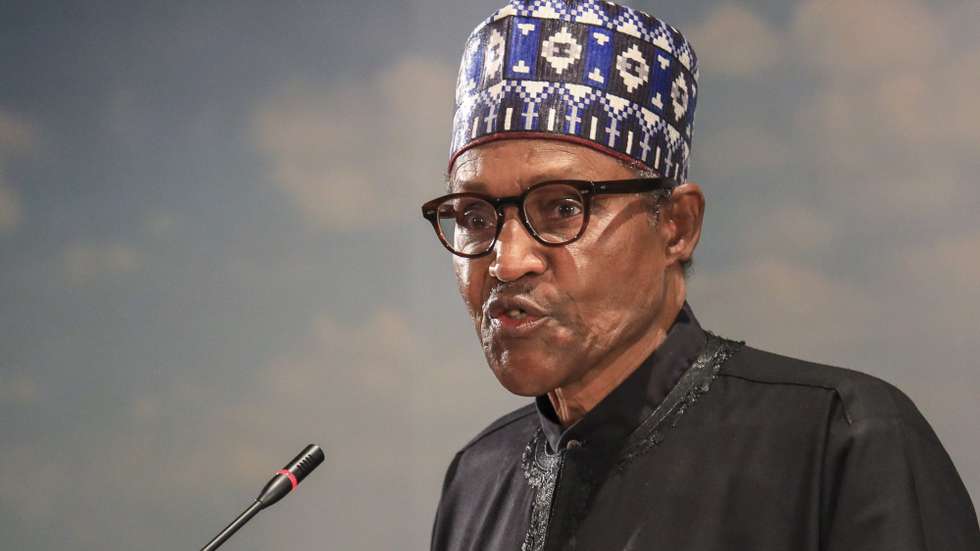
[
  {"x": 566, "y": 208},
  {"x": 474, "y": 220}
]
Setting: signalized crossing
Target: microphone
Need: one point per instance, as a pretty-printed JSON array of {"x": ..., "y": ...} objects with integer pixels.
[{"x": 284, "y": 481}]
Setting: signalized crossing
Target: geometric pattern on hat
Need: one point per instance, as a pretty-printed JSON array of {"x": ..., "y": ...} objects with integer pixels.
[{"x": 589, "y": 71}]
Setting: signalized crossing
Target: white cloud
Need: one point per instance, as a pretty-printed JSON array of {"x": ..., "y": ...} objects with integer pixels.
[
  {"x": 35, "y": 496},
  {"x": 864, "y": 40},
  {"x": 948, "y": 265},
  {"x": 891, "y": 76},
  {"x": 744, "y": 147},
  {"x": 16, "y": 134},
  {"x": 85, "y": 262},
  {"x": 885, "y": 126},
  {"x": 17, "y": 137},
  {"x": 10, "y": 209},
  {"x": 789, "y": 231},
  {"x": 885, "y": 136},
  {"x": 775, "y": 303},
  {"x": 159, "y": 224},
  {"x": 376, "y": 372},
  {"x": 733, "y": 40},
  {"x": 17, "y": 389},
  {"x": 359, "y": 153},
  {"x": 886, "y": 88}
]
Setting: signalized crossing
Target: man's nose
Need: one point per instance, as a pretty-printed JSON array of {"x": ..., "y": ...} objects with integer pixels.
[{"x": 516, "y": 252}]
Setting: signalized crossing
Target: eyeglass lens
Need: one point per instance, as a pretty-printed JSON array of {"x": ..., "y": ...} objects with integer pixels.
[{"x": 555, "y": 212}]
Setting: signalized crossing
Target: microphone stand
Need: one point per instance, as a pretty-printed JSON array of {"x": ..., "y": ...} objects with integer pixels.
[
  {"x": 230, "y": 530},
  {"x": 284, "y": 481}
]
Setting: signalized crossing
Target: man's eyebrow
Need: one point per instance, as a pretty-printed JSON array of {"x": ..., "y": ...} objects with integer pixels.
[
  {"x": 556, "y": 174},
  {"x": 562, "y": 173},
  {"x": 466, "y": 185}
]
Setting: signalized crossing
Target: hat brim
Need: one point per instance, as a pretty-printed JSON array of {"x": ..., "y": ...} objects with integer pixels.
[{"x": 525, "y": 135}]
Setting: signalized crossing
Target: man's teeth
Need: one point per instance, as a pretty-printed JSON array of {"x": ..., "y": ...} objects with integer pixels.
[{"x": 516, "y": 314}]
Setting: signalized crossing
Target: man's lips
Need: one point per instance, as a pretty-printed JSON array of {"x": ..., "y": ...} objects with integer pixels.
[
  {"x": 514, "y": 316},
  {"x": 508, "y": 306}
]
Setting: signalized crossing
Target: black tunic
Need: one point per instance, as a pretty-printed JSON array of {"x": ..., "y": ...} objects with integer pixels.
[{"x": 711, "y": 445}]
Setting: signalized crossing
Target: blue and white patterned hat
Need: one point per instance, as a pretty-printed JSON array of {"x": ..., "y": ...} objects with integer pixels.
[{"x": 586, "y": 71}]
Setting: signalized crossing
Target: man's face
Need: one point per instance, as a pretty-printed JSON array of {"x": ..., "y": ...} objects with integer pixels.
[{"x": 547, "y": 315}]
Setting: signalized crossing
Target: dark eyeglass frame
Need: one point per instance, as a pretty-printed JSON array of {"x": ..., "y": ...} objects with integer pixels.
[{"x": 586, "y": 188}]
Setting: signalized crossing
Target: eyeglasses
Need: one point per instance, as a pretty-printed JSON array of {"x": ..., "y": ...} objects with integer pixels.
[{"x": 555, "y": 213}]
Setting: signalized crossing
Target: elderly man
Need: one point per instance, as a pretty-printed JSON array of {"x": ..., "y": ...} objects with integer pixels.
[{"x": 572, "y": 224}]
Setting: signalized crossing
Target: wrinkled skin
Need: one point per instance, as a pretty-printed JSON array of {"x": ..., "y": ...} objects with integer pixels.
[{"x": 608, "y": 299}]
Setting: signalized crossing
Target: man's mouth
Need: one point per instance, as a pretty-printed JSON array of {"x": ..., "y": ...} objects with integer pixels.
[
  {"x": 514, "y": 323},
  {"x": 516, "y": 313},
  {"x": 514, "y": 316}
]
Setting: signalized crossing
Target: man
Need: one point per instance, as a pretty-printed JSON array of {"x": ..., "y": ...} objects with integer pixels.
[{"x": 572, "y": 223}]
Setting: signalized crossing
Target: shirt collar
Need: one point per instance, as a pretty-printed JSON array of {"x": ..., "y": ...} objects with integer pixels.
[{"x": 619, "y": 413}]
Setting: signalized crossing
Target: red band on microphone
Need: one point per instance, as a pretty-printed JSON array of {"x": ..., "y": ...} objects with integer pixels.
[{"x": 290, "y": 476}]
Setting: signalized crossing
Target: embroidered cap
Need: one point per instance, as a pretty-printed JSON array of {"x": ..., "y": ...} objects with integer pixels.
[{"x": 586, "y": 71}]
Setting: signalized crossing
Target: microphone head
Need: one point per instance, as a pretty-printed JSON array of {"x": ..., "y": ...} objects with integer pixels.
[
  {"x": 287, "y": 478},
  {"x": 304, "y": 463}
]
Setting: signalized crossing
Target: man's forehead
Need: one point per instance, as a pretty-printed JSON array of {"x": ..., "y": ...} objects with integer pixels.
[{"x": 526, "y": 162}]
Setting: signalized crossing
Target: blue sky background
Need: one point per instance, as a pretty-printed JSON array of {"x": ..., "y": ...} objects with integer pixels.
[{"x": 211, "y": 254}]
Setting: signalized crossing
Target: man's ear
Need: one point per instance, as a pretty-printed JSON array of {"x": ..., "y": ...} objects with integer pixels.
[{"x": 684, "y": 214}]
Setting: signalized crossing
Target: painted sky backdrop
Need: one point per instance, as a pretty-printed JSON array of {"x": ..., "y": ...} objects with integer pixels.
[{"x": 211, "y": 251}]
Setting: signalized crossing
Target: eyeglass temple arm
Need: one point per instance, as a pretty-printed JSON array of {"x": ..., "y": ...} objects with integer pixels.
[{"x": 634, "y": 186}]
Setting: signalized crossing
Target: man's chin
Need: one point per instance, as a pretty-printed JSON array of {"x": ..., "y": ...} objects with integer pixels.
[{"x": 525, "y": 378}]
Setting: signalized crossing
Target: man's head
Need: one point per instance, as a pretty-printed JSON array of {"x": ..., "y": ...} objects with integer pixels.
[
  {"x": 547, "y": 316},
  {"x": 580, "y": 90}
]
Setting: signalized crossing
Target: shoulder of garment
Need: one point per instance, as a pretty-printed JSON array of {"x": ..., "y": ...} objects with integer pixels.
[
  {"x": 503, "y": 439},
  {"x": 887, "y": 480},
  {"x": 861, "y": 396},
  {"x": 513, "y": 421}
]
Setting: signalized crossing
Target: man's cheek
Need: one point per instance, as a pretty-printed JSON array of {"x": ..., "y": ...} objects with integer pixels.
[{"x": 466, "y": 292}]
